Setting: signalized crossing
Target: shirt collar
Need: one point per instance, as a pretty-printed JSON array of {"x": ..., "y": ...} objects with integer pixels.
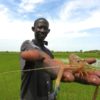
[{"x": 39, "y": 43}]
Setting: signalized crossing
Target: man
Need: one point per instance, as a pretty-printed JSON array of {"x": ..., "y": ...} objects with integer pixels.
[{"x": 37, "y": 84}]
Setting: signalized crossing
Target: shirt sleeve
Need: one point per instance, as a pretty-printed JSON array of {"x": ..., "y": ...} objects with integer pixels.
[{"x": 28, "y": 45}]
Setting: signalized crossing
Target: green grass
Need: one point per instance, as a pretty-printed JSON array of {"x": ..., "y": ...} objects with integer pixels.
[
  {"x": 9, "y": 86},
  {"x": 10, "y": 82},
  {"x": 75, "y": 91},
  {"x": 80, "y": 54}
]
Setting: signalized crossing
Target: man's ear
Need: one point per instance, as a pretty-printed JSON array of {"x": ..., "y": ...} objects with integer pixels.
[
  {"x": 48, "y": 30},
  {"x": 32, "y": 28}
]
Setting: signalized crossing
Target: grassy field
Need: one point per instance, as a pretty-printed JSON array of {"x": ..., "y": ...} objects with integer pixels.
[{"x": 10, "y": 81}]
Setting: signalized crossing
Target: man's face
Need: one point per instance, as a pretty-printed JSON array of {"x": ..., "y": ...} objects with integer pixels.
[{"x": 41, "y": 30}]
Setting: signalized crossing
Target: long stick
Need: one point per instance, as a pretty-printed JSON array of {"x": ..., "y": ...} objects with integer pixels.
[{"x": 95, "y": 93}]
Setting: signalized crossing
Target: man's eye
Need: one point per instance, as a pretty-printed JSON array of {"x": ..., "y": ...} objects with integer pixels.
[
  {"x": 45, "y": 28},
  {"x": 40, "y": 27}
]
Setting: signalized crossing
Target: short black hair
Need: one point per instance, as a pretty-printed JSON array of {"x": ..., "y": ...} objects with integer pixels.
[{"x": 37, "y": 20}]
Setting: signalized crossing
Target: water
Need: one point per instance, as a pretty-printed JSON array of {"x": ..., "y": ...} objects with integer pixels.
[{"x": 97, "y": 64}]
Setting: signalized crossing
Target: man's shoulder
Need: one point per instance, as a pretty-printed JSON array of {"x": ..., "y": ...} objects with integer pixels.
[
  {"x": 28, "y": 44},
  {"x": 25, "y": 45},
  {"x": 25, "y": 42}
]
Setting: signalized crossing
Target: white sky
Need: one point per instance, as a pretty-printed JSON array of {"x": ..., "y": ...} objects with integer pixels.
[{"x": 74, "y": 24}]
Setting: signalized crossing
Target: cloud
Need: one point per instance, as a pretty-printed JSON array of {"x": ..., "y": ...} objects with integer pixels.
[
  {"x": 64, "y": 25},
  {"x": 28, "y": 5},
  {"x": 12, "y": 29},
  {"x": 73, "y": 19}
]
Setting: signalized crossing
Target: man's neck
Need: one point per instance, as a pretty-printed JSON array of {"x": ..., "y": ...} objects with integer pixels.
[{"x": 40, "y": 43}]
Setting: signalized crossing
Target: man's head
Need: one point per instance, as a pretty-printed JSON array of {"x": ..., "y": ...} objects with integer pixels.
[{"x": 41, "y": 29}]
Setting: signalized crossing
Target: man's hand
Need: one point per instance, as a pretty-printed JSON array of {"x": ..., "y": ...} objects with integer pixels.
[
  {"x": 92, "y": 78},
  {"x": 82, "y": 75}
]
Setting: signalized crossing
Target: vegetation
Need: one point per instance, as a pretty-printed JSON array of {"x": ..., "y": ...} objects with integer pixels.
[
  {"x": 86, "y": 54},
  {"x": 10, "y": 78}
]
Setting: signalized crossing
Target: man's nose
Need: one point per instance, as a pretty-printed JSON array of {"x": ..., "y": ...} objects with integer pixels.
[{"x": 43, "y": 30}]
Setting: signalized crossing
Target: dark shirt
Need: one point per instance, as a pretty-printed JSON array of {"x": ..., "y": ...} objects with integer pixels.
[{"x": 35, "y": 84}]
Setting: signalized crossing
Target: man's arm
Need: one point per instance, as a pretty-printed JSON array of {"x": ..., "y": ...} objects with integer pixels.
[
  {"x": 51, "y": 65},
  {"x": 32, "y": 55}
]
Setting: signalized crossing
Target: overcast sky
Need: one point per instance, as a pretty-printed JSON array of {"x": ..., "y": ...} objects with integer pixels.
[{"x": 74, "y": 24}]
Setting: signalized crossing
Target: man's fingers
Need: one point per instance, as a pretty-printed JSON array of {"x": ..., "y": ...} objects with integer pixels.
[
  {"x": 68, "y": 76},
  {"x": 91, "y": 78},
  {"x": 90, "y": 60},
  {"x": 97, "y": 72}
]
